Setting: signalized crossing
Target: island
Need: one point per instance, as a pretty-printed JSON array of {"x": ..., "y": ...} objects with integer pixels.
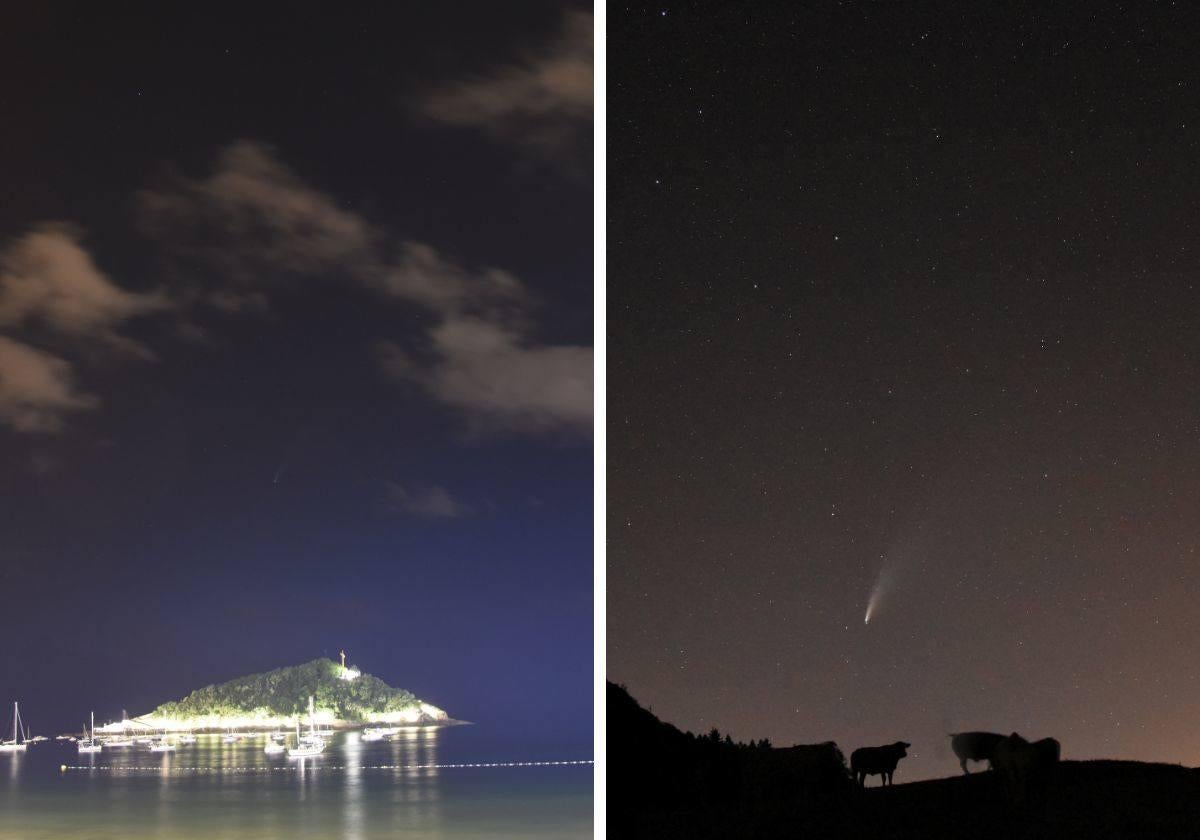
[{"x": 343, "y": 697}]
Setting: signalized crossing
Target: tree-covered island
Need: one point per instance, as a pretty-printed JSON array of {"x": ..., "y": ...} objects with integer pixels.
[{"x": 343, "y": 696}]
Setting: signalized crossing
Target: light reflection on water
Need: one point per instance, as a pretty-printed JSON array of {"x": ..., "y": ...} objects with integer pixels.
[{"x": 356, "y": 790}]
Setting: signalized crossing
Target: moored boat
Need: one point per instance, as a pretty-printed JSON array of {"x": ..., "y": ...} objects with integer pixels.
[
  {"x": 18, "y": 742},
  {"x": 89, "y": 744},
  {"x": 310, "y": 744}
]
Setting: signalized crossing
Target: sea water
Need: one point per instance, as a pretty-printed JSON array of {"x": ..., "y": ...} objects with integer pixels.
[{"x": 412, "y": 787}]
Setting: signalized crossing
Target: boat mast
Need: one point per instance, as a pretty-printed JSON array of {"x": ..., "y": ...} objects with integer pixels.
[{"x": 16, "y": 717}]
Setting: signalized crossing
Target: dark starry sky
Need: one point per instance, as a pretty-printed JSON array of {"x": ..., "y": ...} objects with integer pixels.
[{"x": 903, "y": 300}]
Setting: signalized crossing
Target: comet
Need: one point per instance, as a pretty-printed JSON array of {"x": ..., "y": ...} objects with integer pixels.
[
  {"x": 908, "y": 551},
  {"x": 872, "y": 603},
  {"x": 882, "y": 583}
]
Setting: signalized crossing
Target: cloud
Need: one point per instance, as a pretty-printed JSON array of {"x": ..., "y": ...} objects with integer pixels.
[
  {"x": 50, "y": 285},
  {"x": 433, "y": 502},
  {"x": 544, "y": 100},
  {"x": 496, "y": 379},
  {"x": 273, "y": 219},
  {"x": 477, "y": 356},
  {"x": 420, "y": 274},
  {"x": 36, "y": 389},
  {"x": 47, "y": 277}
]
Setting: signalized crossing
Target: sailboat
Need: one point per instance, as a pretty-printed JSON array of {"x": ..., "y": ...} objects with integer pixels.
[
  {"x": 89, "y": 744},
  {"x": 17, "y": 744},
  {"x": 310, "y": 744},
  {"x": 189, "y": 738},
  {"x": 30, "y": 738},
  {"x": 231, "y": 737},
  {"x": 274, "y": 747}
]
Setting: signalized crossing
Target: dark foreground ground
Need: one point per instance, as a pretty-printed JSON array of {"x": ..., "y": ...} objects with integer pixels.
[
  {"x": 664, "y": 783},
  {"x": 1100, "y": 799}
]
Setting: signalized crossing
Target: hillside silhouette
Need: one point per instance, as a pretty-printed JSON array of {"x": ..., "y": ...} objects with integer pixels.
[{"x": 665, "y": 783}]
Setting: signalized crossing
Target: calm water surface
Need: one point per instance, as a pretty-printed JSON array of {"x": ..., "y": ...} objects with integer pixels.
[{"x": 354, "y": 790}]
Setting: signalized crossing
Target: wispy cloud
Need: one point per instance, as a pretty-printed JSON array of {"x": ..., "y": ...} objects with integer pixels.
[
  {"x": 433, "y": 502},
  {"x": 479, "y": 355},
  {"x": 52, "y": 289},
  {"x": 480, "y": 358},
  {"x": 419, "y": 274},
  {"x": 255, "y": 218},
  {"x": 496, "y": 379},
  {"x": 543, "y": 100},
  {"x": 47, "y": 278},
  {"x": 37, "y": 389}
]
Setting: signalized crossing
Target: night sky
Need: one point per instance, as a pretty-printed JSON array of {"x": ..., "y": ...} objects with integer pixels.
[
  {"x": 295, "y": 353},
  {"x": 903, "y": 308}
]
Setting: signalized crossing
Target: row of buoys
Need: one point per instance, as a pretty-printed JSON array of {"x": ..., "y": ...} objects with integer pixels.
[{"x": 292, "y": 768}]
